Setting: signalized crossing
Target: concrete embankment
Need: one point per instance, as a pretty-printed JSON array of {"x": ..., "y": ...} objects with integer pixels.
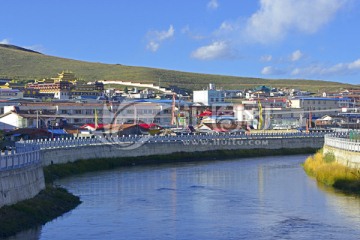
[
  {"x": 109, "y": 150},
  {"x": 345, "y": 157},
  {"x": 21, "y": 183},
  {"x": 346, "y": 151},
  {"x": 25, "y": 180}
]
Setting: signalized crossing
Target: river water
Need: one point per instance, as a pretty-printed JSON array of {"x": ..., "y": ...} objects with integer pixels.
[{"x": 253, "y": 198}]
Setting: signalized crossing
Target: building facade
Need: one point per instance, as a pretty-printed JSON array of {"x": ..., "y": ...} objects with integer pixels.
[{"x": 209, "y": 97}]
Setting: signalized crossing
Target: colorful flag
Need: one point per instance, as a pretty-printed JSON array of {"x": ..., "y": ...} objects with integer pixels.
[
  {"x": 96, "y": 119},
  {"x": 260, "y": 115},
  {"x": 173, "y": 116}
]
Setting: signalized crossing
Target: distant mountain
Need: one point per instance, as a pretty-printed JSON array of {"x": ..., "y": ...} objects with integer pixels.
[
  {"x": 9, "y": 46},
  {"x": 24, "y": 64}
]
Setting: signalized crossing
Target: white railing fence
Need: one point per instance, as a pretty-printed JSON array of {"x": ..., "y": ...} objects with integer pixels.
[
  {"x": 27, "y": 155},
  {"x": 28, "y": 152},
  {"x": 343, "y": 141},
  {"x": 103, "y": 140}
]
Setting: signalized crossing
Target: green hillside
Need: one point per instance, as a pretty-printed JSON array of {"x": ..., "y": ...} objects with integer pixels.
[{"x": 23, "y": 64}]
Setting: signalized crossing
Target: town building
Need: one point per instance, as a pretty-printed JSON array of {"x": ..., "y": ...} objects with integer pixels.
[
  {"x": 6, "y": 93},
  {"x": 48, "y": 114},
  {"x": 64, "y": 87},
  {"x": 209, "y": 96},
  {"x": 320, "y": 106}
]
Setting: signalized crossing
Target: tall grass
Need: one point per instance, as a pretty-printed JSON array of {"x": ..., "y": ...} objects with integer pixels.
[{"x": 326, "y": 170}]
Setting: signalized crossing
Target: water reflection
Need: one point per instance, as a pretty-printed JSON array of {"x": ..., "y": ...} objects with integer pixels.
[
  {"x": 345, "y": 205},
  {"x": 258, "y": 198},
  {"x": 31, "y": 234}
]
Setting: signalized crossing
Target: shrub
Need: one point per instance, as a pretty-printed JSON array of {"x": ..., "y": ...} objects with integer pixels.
[{"x": 326, "y": 170}]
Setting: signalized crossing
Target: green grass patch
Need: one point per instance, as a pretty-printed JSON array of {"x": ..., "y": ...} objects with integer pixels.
[
  {"x": 24, "y": 65},
  {"x": 47, "y": 205}
]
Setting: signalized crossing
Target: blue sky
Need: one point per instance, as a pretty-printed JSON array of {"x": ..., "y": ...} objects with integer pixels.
[{"x": 310, "y": 39}]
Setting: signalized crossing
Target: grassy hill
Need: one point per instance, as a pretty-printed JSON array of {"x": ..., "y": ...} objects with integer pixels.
[{"x": 23, "y": 64}]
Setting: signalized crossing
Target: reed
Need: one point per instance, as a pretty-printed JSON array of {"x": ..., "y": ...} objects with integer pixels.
[{"x": 326, "y": 170}]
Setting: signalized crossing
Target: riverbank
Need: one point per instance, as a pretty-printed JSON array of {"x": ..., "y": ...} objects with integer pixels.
[
  {"x": 49, "y": 204},
  {"x": 53, "y": 202},
  {"x": 326, "y": 170},
  {"x": 57, "y": 171}
]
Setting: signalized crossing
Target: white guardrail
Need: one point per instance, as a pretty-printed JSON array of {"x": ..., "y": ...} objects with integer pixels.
[
  {"x": 98, "y": 140},
  {"x": 25, "y": 156},
  {"x": 342, "y": 141},
  {"x": 28, "y": 152}
]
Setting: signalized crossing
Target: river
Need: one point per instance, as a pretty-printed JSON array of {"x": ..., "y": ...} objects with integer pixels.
[{"x": 252, "y": 198}]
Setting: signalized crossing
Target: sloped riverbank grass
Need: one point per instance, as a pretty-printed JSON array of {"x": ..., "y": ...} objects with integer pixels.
[
  {"x": 326, "y": 170},
  {"x": 44, "y": 207}
]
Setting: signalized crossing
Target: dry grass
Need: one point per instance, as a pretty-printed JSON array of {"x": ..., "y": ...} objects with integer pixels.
[{"x": 327, "y": 171}]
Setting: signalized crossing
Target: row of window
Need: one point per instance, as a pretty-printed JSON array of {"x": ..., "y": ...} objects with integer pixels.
[
  {"x": 319, "y": 108},
  {"x": 324, "y": 102},
  {"x": 217, "y": 100},
  {"x": 8, "y": 93},
  {"x": 118, "y": 121},
  {"x": 128, "y": 111}
]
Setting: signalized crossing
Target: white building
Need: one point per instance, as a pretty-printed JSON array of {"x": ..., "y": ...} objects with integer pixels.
[
  {"x": 320, "y": 106},
  {"x": 44, "y": 113},
  {"x": 209, "y": 97}
]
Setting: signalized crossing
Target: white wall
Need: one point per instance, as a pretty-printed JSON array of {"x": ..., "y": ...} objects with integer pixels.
[
  {"x": 201, "y": 97},
  {"x": 12, "y": 121}
]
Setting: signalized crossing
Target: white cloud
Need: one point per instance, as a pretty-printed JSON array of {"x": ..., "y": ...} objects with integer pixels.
[
  {"x": 186, "y": 30},
  {"x": 152, "y": 46},
  {"x": 296, "y": 56},
  {"x": 5, "y": 41},
  {"x": 269, "y": 70},
  {"x": 213, "y": 4},
  {"x": 226, "y": 26},
  {"x": 266, "y": 58},
  {"x": 216, "y": 50},
  {"x": 157, "y": 37},
  {"x": 276, "y": 18},
  {"x": 335, "y": 70},
  {"x": 354, "y": 65}
]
